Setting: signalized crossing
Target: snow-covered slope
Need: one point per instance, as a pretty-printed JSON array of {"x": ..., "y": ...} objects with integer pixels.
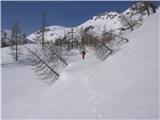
[
  {"x": 124, "y": 86},
  {"x": 101, "y": 22},
  {"x": 52, "y": 33}
]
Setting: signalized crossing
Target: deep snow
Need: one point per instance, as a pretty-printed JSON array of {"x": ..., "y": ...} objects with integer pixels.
[{"x": 124, "y": 86}]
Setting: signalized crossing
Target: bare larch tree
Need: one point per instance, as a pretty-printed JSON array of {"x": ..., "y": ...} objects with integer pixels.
[
  {"x": 43, "y": 27},
  {"x": 15, "y": 40}
]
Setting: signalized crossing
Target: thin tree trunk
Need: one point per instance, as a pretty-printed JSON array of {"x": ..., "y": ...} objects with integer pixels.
[
  {"x": 43, "y": 26},
  {"x": 16, "y": 48}
]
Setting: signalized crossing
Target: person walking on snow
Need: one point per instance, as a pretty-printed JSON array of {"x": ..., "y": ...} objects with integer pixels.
[{"x": 83, "y": 54}]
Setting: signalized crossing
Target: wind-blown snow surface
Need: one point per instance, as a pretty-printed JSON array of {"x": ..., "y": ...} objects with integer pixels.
[{"x": 123, "y": 86}]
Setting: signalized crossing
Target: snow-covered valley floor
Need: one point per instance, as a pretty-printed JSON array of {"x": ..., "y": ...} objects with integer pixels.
[{"x": 125, "y": 85}]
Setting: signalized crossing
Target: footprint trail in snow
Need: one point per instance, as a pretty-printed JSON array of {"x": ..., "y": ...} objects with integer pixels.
[{"x": 92, "y": 98}]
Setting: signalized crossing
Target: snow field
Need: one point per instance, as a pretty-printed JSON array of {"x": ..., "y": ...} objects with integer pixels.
[{"x": 124, "y": 86}]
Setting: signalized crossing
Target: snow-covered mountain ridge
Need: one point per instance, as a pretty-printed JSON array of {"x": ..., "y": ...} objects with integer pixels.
[{"x": 106, "y": 21}]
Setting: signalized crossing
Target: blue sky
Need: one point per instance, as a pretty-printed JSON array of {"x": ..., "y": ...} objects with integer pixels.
[{"x": 65, "y": 13}]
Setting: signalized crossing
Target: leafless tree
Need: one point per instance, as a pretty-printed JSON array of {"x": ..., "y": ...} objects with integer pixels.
[
  {"x": 142, "y": 6},
  {"x": 148, "y": 5},
  {"x": 107, "y": 37},
  {"x": 42, "y": 67},
  {"x": 3, "y": 38},
  {"x": 56, "y": 52},
  {"x": 43, "y": 27},
  {"x": 128, "y": 22},
  {"x": 101, "y": 49},
  {"x": 15, "y": 40}
]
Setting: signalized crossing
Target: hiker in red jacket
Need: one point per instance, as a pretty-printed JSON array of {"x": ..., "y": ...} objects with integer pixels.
[{"x": 83, "y": 54}]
